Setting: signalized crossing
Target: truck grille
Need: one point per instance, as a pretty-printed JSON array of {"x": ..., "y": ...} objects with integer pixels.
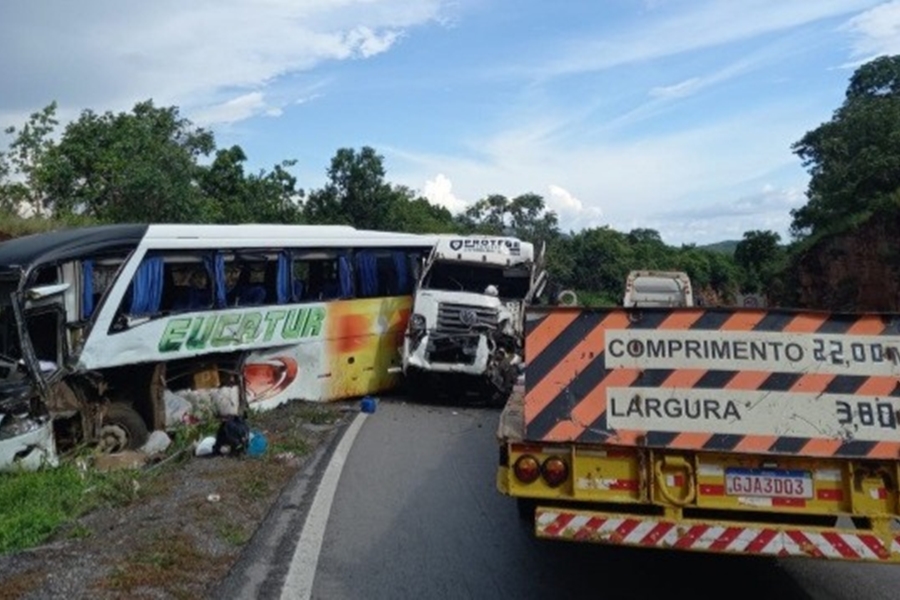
[{"x": 451, "y": 318}]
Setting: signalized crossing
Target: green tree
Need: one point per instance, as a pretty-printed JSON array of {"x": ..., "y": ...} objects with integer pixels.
[
  {"x": 648, "y": 249},
  {"x": 26, "y": 154},
  {"x": 414, "y": 214},
  {"x": 235, "y": 197},
  {"x": 759, "y": 255},
  {"x": 853, "y": 159},
  {"x": 602, "y": 259},
  {"x": 139, "y": 166},
  {"x": 356, "y": 192},
  {"x": 525, "y": 216}
]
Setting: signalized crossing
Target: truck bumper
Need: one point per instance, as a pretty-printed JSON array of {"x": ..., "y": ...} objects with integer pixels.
[
  {"x": 416, "y": 357},
  {"x": 728, "y": 537}
]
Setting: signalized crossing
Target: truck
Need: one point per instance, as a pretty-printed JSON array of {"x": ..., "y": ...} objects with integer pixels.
[
  {"x": 729, "y": 430},
  {"x": 658, "y": 288},
  {"x": 466, "y": 330}
]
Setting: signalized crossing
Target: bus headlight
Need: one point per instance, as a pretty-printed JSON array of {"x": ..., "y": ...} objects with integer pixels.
[{"x": 417, "y": 322}]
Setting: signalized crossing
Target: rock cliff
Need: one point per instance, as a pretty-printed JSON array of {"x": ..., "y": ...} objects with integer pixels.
[{"x": 857, "y": 270}]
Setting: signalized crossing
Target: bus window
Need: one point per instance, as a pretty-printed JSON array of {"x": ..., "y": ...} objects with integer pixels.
[
  {"x": 169, "y": 283},
  {"x": 186, "y": 286},
  {"x": 383, "y": 273},
  {"x": 245, "y": 282},
  {"x": 97, "y": 277},
  {"x": 321, "y": 276}
]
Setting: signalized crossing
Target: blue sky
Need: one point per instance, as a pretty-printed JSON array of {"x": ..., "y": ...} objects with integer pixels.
[{"x": 670, "y": 114}]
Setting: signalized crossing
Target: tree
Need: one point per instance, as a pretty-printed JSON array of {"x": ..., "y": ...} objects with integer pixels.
[
  {"x": 602, "y": 258},
  {"x": 138, "y": 167},
  {"x": 759, "y": 256},
  {"x": 261, "y": 198},
  {"x": 648, "y": 248},
  {"x": 26, "y": 155},
  {"x": 414, "y": 214},
  {"x": 525, "y": 217},
  {"x": 356, "y": 192},
  {"x": 853, "y": 159}
]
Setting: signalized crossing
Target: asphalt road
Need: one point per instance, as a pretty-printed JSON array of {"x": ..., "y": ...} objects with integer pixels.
[{"x": 415, "y": 514}]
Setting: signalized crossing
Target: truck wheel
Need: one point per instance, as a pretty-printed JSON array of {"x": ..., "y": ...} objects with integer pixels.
[{"x": 123, "y": 428}]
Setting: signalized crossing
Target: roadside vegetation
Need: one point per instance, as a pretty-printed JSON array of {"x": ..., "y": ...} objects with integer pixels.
[
  {"x": 45, "y": 504},
  {"x": 36, "y": 504}
]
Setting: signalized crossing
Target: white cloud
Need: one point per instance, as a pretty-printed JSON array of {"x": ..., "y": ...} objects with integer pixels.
[
  {"x": 233, "y": 110},
  {"x": 207, "y": 56},
  {"x": 677, "y": 90},
  {"x": 876, "y": 31},
  {"x": 711, "y": 23},
  {"x": 572, "y": 212},
  {"x": 440, "y": 191},
  {"x": 639, "y": 181}
]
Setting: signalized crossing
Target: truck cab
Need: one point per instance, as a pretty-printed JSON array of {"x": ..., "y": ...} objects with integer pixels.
[{"x": 466, "y": 328}]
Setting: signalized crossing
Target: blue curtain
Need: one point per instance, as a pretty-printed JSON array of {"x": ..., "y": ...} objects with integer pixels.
[
  {"x": 87, "y": 289},
  {"x": 215, "y": 266},
  {"x": 346, "y": 277},
  {"x": 402, "y": 268},
  {"x": 368, "y": 274},
  {"x": 283, "y": 286},
  {"x": 147, "y": 287}
]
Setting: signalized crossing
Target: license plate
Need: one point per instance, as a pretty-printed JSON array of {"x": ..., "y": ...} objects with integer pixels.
[{"x": 768, "y": 483}]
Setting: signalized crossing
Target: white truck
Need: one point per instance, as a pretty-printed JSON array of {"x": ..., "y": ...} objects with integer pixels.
[
  {"x": 658, "y": 288},
  {"x": 466, "y": 328}
]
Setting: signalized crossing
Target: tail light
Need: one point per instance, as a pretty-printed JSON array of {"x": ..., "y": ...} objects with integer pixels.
[
  {"x": 555, "y": 471},
  {"x": 527, "y": 469}
]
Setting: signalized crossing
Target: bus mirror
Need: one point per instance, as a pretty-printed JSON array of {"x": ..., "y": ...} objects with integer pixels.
[{"x": 45, "y": 291}]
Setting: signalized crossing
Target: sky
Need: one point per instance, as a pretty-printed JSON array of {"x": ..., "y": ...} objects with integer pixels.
[{"x": 673, "y": 115}]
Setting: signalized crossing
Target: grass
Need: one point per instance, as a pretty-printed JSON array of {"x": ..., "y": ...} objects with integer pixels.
[
  {"x": 17, "y": 226},
  {"x": 36, "y": 506},
  {"x": 166, "y": 562},
  {"x": 318, "y": 415},
  {"x": 42, "y": 502}
]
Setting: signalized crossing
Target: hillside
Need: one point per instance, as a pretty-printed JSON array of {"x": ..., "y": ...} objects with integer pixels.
[
  {"x": 725, "y": 247},
  {"x": 856, "y": 270}
]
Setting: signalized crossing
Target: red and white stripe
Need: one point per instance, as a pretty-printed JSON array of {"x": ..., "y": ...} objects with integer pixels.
[{"x": 737, "y": 539}]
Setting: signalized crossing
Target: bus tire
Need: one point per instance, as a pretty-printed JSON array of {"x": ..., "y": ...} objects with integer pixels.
[{"x": 122, "y": 428}]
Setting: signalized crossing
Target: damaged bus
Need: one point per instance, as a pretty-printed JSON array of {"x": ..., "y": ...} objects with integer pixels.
[{"x": 101, "y": 327}]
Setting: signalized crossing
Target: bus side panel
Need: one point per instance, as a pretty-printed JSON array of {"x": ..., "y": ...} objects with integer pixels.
[
  {"x": 361, "y": 341},
  {"x": 364, "y": 340}
]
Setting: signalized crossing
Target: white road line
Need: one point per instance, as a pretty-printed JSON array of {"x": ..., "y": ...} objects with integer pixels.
[{"x": 299, "y": 582}]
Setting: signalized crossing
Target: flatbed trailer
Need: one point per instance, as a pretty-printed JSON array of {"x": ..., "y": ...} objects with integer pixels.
[{"x": 741, "y": 431}]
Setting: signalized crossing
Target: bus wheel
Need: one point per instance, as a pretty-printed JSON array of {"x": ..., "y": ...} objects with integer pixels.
[{"x": 123, "y": 428}]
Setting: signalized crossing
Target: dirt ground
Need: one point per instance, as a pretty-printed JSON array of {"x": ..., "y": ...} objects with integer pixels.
[{"x": 185, "y": 525}]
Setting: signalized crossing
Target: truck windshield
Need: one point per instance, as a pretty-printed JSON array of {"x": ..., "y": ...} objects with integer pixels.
[{"x": 511, "y": 282}]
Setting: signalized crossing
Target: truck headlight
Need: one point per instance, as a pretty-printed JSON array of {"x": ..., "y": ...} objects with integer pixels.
[{"x": 417, "y": 322}]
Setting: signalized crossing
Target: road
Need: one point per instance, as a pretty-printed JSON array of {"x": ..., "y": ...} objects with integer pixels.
[{"x": 415, "y": 514}]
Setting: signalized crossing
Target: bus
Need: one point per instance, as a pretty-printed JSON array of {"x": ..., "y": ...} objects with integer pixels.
[{"x": 103, "y": 329}]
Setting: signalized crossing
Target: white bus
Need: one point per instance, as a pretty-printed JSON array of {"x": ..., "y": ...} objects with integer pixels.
[{"x": 100, "y": 326}]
